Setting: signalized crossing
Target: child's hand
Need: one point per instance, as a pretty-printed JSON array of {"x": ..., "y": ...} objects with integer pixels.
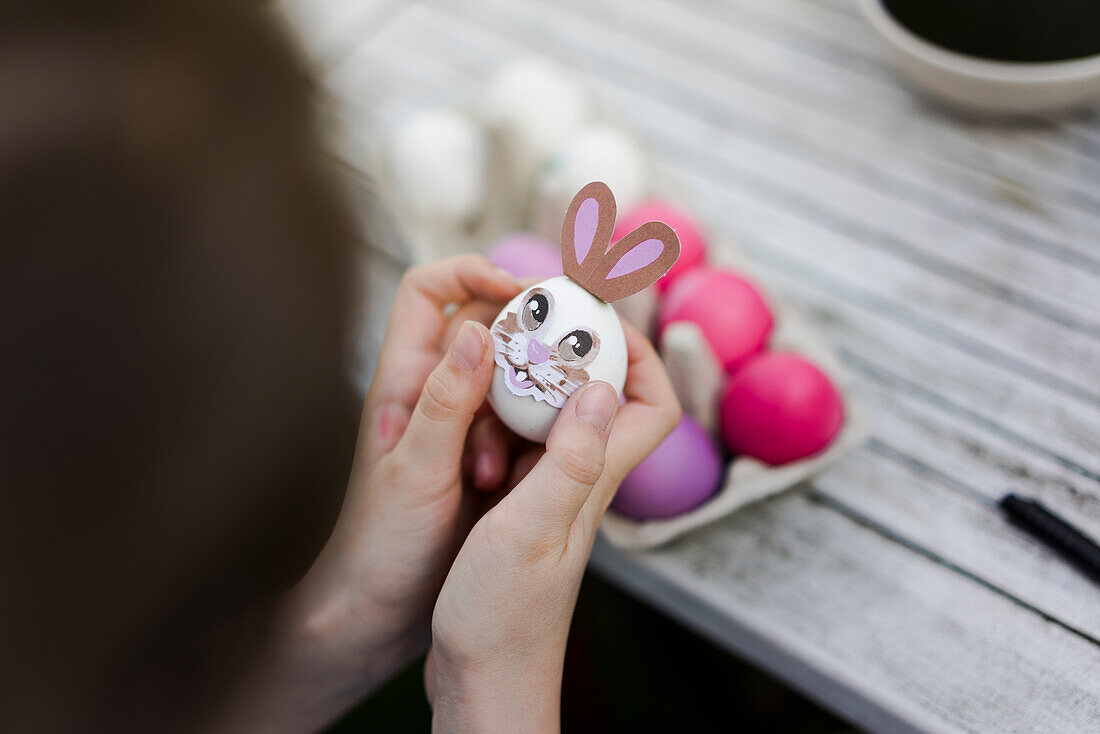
[
  {"x": 503, "y": 615},
  {"x": 405, "y": 514},
  {"x": 364, "y": 608}
]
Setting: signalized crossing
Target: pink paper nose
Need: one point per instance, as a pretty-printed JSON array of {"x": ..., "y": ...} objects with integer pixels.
[{"x": 537, "y": 352}]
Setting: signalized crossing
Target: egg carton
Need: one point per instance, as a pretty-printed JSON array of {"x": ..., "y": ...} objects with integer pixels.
[
  {"x": 524, "y": 188},
  {"x": 458, "y": 176},
  {"x": 698, "y": 378}
]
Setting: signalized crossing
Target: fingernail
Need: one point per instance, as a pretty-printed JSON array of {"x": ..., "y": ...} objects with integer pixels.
[
  {"x": 597, "y": 404},
  {"x": 483, "y": 470},
  {"x": 469, "y": 346},
  {"x": 506, "y": 275}
]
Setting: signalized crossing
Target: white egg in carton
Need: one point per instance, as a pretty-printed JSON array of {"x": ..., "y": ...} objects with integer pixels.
[{"x": 457, "y": 180}]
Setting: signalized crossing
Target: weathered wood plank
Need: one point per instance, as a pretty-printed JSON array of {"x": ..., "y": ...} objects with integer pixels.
[
  {"x": 966, "y": 174},
  {"x": 1025, "y": 151},
  {"x": 706, "y": 43},
  {"x": 886, "y": 636},
  {"x": 978, "y": 460},
  {"x": 969, "y": 534},
  {"x": 1023, "y": 215}
]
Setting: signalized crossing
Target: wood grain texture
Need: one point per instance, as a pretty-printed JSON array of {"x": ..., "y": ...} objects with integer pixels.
[
  {"x": 954, "y": 265},
  {"x": 897, "y": 644}
]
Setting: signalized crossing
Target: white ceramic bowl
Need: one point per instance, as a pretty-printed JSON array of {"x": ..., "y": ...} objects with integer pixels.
[{"x": 974, "y": 84}]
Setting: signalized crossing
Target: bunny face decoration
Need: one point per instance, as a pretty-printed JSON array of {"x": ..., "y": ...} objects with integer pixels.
[{"x": 562, "y": 332}]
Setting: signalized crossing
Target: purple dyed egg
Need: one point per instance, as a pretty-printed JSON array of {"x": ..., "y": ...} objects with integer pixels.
[
  {"x": 526, "y": 256},
  {"x": 683, "y": 472}
]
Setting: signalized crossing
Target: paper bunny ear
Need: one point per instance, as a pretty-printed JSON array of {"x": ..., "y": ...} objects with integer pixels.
[
  {"x": 614, "y": 272},
  {"x": 586, "y": 231}
]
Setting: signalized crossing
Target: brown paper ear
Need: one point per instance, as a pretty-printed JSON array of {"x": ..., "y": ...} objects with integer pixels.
[
  {"x": 635, "y": 262},
  {"x": 586, "y": 231},
  {"x": 612, "y": 273}
]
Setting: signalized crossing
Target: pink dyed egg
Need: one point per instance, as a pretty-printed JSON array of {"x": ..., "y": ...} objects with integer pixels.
[
  {"x": 693, "y": 248},
  {"x": 780, "y": 407},
  {"x": 526, "y": 256},
  {"x": 730, "y": 311},
  {"x": 683, "y": 472}
]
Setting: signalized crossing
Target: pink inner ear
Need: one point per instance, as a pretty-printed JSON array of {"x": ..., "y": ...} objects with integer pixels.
[
  {"x": 640, "y": 255},
  {"x": 584, "y": 227}
]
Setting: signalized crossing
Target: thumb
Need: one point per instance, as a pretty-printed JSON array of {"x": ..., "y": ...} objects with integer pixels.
[
  {"x": 453, "y": 392},
  {"x": 552, "y": 494}
]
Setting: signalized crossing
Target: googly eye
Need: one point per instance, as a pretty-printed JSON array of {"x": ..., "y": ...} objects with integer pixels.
[
  {"x": 536, "y": 309},
  {"x": 579, "y": 345}
]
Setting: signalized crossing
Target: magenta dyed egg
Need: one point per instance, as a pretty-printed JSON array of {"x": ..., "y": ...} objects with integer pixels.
[
  {"x": 693, "y": 247},
  {"x": 779, "y": 407},
  {"x": 683, "y": 472},
  {"x": 526, "y": 256},
  {"x": 730, "y": 311}
]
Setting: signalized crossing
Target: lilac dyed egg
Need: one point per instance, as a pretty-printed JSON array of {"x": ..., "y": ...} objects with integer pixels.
[
  {"x": 526, "y": 256},
  {"x": 683, "y": 472}
]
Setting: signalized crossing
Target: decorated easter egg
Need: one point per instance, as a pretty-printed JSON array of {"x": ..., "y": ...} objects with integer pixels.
[
  {"x": 550, "y": 340},
  {"x": 559, "y": 334},
  {"x": 683, "y": 472},
  {"x": 438, "y": 160},
  {"x": 779, "y": 407},
  {"x": 727, "y": 308},
  {"x": 525, "y": 256},
  {"x": 693, "y": 246}
]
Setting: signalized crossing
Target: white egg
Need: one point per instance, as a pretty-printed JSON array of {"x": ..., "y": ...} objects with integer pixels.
[
  {"x": 548, "y": 341},
  {"x": 529, "y": 108},
  {"x": 596, "y": 153},
  {"x": 535, "y": 105},
  {"x": 439, "y": 163}
]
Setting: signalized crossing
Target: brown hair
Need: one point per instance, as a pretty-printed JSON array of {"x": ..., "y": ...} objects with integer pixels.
[{"x": 176, "y": 422}]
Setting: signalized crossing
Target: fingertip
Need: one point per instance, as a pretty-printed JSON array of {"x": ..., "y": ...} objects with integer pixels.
[
  {"x": 494, "y": 276},
  {"x": 470, "y": 346},
  {"x": 439, "y": 424},
  {"x": 596, "y": 404},
  {"x": 490, "y": 448},
  {"x": 486, "y": 472},
  {"x": 504, "y": 277}
]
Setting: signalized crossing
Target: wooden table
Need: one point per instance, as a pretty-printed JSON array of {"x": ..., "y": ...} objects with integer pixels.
[{"x": 955, "y": 265}]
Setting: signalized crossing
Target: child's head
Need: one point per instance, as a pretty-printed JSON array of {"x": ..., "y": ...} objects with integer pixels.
[{"x": 173, "y": 305}]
